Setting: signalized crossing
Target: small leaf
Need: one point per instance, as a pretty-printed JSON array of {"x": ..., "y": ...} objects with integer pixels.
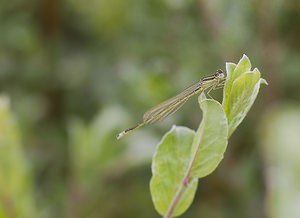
[
  {"x": 243, "y": 94},
  {"x": 243, "y": 66},
  {"x": 210, "y": 140},
  {"x": 169, "y": 166},
  {"x": 233, "y": 73}
]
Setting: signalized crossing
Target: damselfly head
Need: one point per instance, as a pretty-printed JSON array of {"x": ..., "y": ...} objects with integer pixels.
[{"x": 220, "y": 74}]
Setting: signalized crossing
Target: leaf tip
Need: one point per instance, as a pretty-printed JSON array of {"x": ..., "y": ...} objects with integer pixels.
[
  {"x": 245, "y": 56},
  {"x": 263, "y": 81}
]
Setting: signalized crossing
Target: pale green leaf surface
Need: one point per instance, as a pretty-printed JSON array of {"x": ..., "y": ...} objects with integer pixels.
[
  {"x": 210, "y": 140},
  {"x": 169, "y": 166},
  {"x": 229, "y": 71},
  {"x": 233, "y": 72},
  {"x": 243, "y": 94},
  {"x": 243, "y": 66}
]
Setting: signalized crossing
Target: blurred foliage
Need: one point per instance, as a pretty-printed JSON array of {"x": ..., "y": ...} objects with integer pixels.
[
  {"x": 281, "y": 142},
  {"x": 16, "y": 196},
  {"x": 78, "y": 72}
]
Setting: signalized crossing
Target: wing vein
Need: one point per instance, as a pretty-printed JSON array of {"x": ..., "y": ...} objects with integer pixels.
[{"x": 169, "y": 106}]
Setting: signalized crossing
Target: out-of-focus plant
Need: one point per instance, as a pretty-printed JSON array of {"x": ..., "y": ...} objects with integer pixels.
[
  {"x": 15, "y": 179},
  {"x": 281, "y": 147},
  {"x": 183, "y": 156},
  {"x": 97, "y": 161},
  {"x": 90, "y": 145}
]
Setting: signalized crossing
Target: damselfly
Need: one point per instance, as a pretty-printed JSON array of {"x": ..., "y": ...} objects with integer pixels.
[{"x": 169, "y": 106}]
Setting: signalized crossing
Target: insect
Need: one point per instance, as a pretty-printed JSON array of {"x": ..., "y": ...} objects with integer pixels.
[{"x": 170, "y": 106}]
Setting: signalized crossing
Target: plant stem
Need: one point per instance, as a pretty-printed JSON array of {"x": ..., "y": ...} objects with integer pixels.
[{"x": 184, "y": 183}]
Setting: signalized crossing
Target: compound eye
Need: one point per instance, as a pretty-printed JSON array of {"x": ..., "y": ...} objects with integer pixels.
[{"x": 219, "y": 72}]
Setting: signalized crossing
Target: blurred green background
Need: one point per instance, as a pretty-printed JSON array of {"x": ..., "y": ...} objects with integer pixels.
[{"x": 74, "y": 73}]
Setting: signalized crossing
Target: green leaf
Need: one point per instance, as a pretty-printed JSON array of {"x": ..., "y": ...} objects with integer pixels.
[
  {"x": 169, "y": 166},
  {"x": 233, "y": 72},
  {"x": 244, "y": 92},
  {"x": 183, "y": 155},
  {"x": 210, "y": 140},
  {"x": 240, "y": 91}
]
